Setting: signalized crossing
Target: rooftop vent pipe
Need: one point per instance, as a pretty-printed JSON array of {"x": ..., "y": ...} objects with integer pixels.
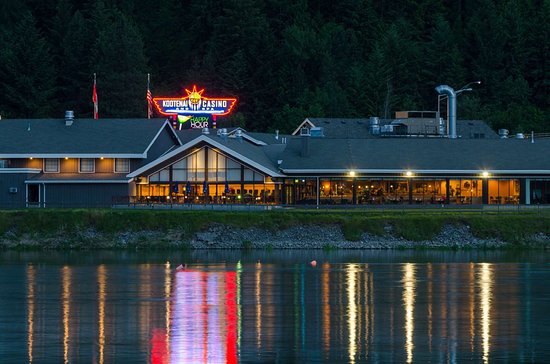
[
  {"x": 451, "y": 94},
  {"x": 69, "y": 117}
]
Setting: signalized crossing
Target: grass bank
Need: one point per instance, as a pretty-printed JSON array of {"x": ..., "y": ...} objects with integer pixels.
[{"x": 78, "y": 227}]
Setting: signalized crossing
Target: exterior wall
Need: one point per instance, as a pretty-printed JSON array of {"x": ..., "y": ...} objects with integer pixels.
[
  {"x": 84, "y": 194},
  {"x": 13, "y": 200},
  {"x": 164, "y": 142}
]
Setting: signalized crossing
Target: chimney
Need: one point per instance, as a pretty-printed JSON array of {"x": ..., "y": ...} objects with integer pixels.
[
  {"x": 205, "y": 131},
  {"x": 305, "y": 135},
  {"x": 69, "y": 117}
]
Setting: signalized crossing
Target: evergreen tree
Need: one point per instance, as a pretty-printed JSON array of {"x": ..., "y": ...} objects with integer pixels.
[
  {"x": 27, "y": 74},
  {"x": 120, "y": 64}
]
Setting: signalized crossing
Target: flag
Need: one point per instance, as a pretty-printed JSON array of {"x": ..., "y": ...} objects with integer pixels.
[
  {"x": 94, "y": 99},
  {"x": 149, "y": 98}
]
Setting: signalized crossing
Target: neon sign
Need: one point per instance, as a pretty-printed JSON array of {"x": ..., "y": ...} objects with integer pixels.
[{"x": 194, "y": 107}]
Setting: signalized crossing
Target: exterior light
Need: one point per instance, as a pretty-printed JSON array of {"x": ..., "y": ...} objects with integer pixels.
[
  {"x": 485, "y": 174},
  {"x": 408, "y": 173},
  {"x": 101, "y": 158},
  {"x": 352, "y": 173},
  {"x": 30, "y": 158},
  {"x": 66, "y": 158}
]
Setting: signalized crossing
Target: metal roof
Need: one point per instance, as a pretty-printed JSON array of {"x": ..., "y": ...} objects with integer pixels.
[
  {"x": 417, "y": 154},
  {"x": 84, "y": 137}
]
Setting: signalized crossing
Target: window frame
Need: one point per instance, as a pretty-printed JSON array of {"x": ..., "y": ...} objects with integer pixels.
[
  {"x": 117, "y": 171},
  {"x": 44, "y": 165},
  {"x": 80, "y": 165}
]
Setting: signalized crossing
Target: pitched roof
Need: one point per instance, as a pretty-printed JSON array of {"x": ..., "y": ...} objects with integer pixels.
[
  {"x": 437, "y": 154},
  {"x": 240, "y": 149},
  {"x": 32, "y": 137}
]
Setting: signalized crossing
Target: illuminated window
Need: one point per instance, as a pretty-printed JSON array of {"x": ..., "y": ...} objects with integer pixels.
[
  {"x": 122, "y": 165},
  {"x": 51, "y": 165},
  {"x": 87, "y": 165}
]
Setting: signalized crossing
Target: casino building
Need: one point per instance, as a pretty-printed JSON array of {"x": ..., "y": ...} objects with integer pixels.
[{"x": 411, "y": 159}]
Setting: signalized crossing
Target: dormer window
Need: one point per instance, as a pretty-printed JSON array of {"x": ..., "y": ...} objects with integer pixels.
[{"x": 87, "y": 165}]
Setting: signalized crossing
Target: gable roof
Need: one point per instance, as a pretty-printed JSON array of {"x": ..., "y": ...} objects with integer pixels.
[
  {"x": 246, "y": 152},
  {"x": 433, "y": 155},
  {"x": 122, "y": 138}
]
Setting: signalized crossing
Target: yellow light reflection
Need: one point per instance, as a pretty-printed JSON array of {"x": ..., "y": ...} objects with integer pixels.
[
  {"x": 409, "y": 283},
  {"x": 101, "y": 282},
  {"x": 472, "y": 304},
  {"x": 430, "y": 305},
  {"x": 167, "y": 286},
  {"x": 326, "y": 307},
  {"x": 258, "y": 306},
  {"x": 352, "y": 310},
  {"x": 367, "y": 285},
  {"x": 486, "y": 285},
  {"x": 66, "y": 278},
  {"x": 30, "y": 310}
]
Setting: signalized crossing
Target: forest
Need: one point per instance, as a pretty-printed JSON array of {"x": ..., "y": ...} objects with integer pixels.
[{"x": 284, "y": 60}]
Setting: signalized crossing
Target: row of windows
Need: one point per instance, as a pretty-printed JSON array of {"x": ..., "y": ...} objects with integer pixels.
[
  {"x": 206, "y": 165},
  {"x": 86, "y": 165}
]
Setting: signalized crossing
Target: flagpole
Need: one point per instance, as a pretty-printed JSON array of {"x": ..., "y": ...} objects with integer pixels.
[
  {"x": 94, "y": 98},
  {"x": 149, "y": 97}
]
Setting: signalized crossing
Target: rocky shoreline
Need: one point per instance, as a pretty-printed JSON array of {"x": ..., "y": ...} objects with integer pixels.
[{"x": 219, "y": 236}]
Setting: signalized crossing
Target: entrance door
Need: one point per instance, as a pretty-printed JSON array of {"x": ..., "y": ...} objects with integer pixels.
[{"x": 33, "y": 195}]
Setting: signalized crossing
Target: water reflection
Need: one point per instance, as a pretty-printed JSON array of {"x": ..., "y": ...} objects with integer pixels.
[
  {"x": 66, "y": 278},
  {"x": 30, "y": 310},
  {"x": 263, "y": 312},
  {"x": 352, "y": 270},
  {"x": 486, "y": 284},
  {"x": 101, "y": 283},
  {"x": 409, "y": 284}
]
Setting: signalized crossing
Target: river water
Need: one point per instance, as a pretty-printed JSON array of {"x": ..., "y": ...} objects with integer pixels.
[{"x": 275, "y": 307}]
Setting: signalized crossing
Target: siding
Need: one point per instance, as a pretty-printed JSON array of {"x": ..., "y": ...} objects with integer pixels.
[
  {"x": 85, "y": 194},
  {"x": 162, "y": 144},
  {"x": 13, "y": 200}
]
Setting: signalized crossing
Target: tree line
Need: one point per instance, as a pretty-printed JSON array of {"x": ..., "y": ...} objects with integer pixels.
[{"x": 284, "y": 60}]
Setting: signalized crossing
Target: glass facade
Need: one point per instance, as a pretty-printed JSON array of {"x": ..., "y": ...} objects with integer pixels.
[
  {"x": 504, "y": 191},
  {"x": 208, "y": 176},
  {"x": 540, "y": 191}
]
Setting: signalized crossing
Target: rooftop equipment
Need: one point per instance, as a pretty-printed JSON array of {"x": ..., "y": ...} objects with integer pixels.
[{"x": 69, "y": 117}]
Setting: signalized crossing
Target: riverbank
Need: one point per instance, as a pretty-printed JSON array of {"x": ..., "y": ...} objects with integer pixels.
[{"x": 285, "y": 229}]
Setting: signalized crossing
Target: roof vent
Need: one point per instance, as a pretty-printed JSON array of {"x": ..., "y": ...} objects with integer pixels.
[
  {"x": 69, "y": 117},
  {"x": 503, "y": 133},
  {"x": 374, "y": 125},
  {"x": 205, "y": 131}
]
